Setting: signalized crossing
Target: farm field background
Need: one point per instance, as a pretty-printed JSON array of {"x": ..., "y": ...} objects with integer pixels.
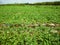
[{"x": 29, "y": 25}]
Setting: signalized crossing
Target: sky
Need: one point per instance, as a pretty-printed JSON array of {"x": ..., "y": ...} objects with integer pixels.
[{"x": 24, "y": 1}]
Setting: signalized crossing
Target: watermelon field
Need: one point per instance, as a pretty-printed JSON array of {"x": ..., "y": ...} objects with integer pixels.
[{"x": 29, "y": 25}]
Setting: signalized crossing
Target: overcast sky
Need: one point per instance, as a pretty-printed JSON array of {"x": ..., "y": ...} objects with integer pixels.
[{"x": 24, "y": 1}]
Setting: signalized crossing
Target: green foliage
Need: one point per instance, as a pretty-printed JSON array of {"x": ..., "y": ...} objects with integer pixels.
[{"x": 27, "y": 15}]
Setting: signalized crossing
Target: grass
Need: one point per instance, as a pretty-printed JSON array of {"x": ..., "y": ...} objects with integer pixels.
[{"x": 14, "y": 21}]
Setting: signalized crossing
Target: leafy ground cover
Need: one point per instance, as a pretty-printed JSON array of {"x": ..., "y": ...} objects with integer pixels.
[{"x": 30, "y": 25}]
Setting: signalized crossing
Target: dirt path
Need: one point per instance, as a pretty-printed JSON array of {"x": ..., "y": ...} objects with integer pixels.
[{"x": 30, "y": 25}]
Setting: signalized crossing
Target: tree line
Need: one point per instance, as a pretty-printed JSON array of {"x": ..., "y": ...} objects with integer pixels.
[
  {"x": 38, "y": 3},
  {"x": 49, "y": 3}
]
